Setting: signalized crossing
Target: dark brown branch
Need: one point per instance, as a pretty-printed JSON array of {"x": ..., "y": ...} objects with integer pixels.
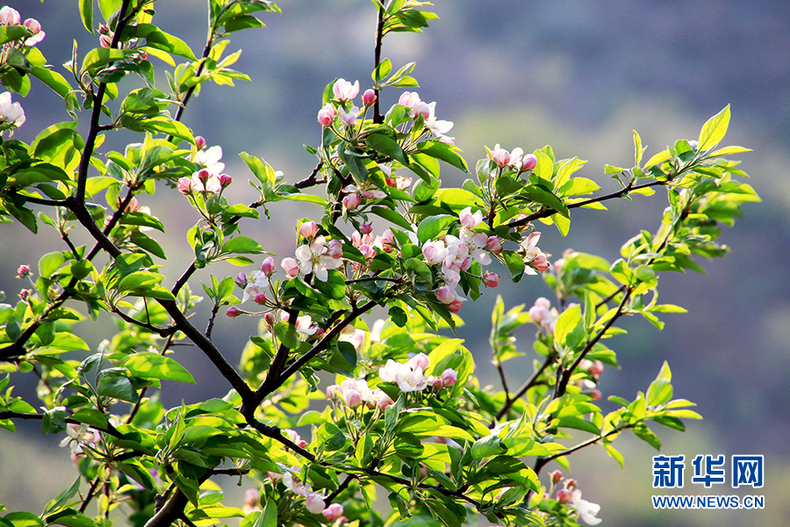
[
  {"x": 377, "y": 117},
  {"x": 543, "y": 461},
  {"x": 162, "y": 332},
  {"x": 525, "y": 387},
  {"x": 310, "y": 180}
]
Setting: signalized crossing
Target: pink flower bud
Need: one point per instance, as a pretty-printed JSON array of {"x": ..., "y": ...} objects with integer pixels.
[
  {"x": 455, "y": 306},
  {"x": 449, "y": 377},
  {"x": 350, "y": 117},
  {"x": 390, "y": 182},
  {"x": 366, "y": 228},
  {"x": 290, "y": 266},
  {"x": 595, "y": 394},
  {"x": 33, "y": 25},
  {"x": 334, "y": 511},
  {"x": 233, "y": 312},
  {"x": 333, "y": 392},
  {"x": 200, "y": 142},
  {"x": 260, "y": 299},
  {"x": 369, "y": 97},
  {"x": 335, "y": 249},
  {"x": 270, "y": 320},
  {"x": 225, "y": 180},
  {"x": 252, "y": 496},
  {"x": 388, "y": 239},
  {"x": 133, "y": 205},
  {"x": 344, "y": 90},
  {"x": 529, "y": 162},
  {"x": 445, "y": 294},
  {"x": 542, "y": 301},
  {"x": 420, "y": 360},
  {"x": 501, "y": 157},
  {"x": 351, "y": 201},
  {"x": 597, "y": 368},
  {"x": 241, "y": 280},
  {"x": 315, "y": 503},
  {"x": 23, "y": 271},
  {"x": 203, "y": 175},
  {"x": 538, "y": 313},
  {"x": 570, "y": 483},
  {"x": 24, "y": 294},
  {"x": 556, "y": 476},
  {"x": 185, "y": 185},
  {"x": 274, "y": 476},
  {"x": 352, "y": 398},
  {"x": 308, "y": 229},
  {"x": 564, "y": 496},
  {"x": 494, "y": 244},
  {"x": 326, "y": 115},
  {"x": 104, "y": 29},
  {"x": 268, "y": 267},
  {"x": 423, "y": 471},
  {"x": 9, "y": 16},
  {"x": 491, "y": 279},
  {"x": 105, "y": 41}
]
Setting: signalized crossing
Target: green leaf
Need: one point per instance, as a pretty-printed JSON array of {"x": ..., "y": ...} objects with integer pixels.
[
  {"x": 92, "y": 417},
  {"x": 490, "y": 445},
  {"x": 398, "y": 316},
  {"x": 515, "y": 264},
  {"x": 445, "y": 152},
  {"x": 286, "y": 334},
  {"x": 714, "y": 130},
  {"x": 382, "y": 70},
  {"x": 151, "y": 365},
  {"x": 391, "y": 216},
  {"x": 388, "y": 147},
  {"x": 569, "y": 329},
  {"x": 117, "y": 387},
  {"x": 142, "y": 219},
  {"x": 431, "y": 226},
  {"x": 144, "y": 241},
  {"x": 86, "y": 12},
  {"x": 309, "y": 198},
  {"x": 335, "y": 285},
  {"x": 242, "y": 245}
]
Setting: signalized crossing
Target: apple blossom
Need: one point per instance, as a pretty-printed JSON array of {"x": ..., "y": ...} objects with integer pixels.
[
  {"x": 534, "y": 258},
  {"x": 352, "y": 398},
  {"x": 351, "y": 201},
  {"x": 564, "y": 496},
  {"x": 308, "y": 230},
  {"x": 449, "y": 377},
  {"x": 298, "y": 441},
  {"x": 210, "y": 159},
  {"x": 369, "y": 97},
  {"x": 185, "y": 185},
  {"x": 434, "y": 251},
  {"x": 335, "y": 248},
  {"x": 470, "y": 220},
  {"x": 80, "y": 436},
  {"x": 529, "y": 162},
  {"x": 500, "y": 156},
  {"x": 268, "y": 267},
  {"x": 260, "y": 298},
  {"x": 445, "y": 294},
  {"x": 23, "y": 271},
  {"x": 420, "y": 360},
  {"x": 241, "y": 280},
  {"x": 366, "y": 228},
  {"x": 333, "y": 512},
  {"x": 596, "y": 368},
  {"x": 556, "y": 476},
  {"x": 34, "y": 27},
  {"x": 409, "y": 99},
  {"x": 349, "y": 117},
  {"x": 233, "y": 312},
  {"x": 314, "y": 502},
  {"x": 490, "y": 279},
  {"x": 225, "y": 180},
  {"x": 313, "y": 260},
  {"x": 9, "y": 16},
  {"x": 11, "y": 113},
  {"x": 326, "y": 115},
  {"x": 494, "y": 244},
  {"x": 438, "y": 128},
  {"x": 421, "y": 108},
  {"x": 587, "y": 510},
  {"x": 200, "y": 142},
  {"x": 204, "y": 181},
  {"x": 477, "y": 242},
  {"x": 344, "y": 90},
  {"x": 290, "y": 266},
  {"x": 455, "y": 306},
  {"x": 595, "y": 394}
]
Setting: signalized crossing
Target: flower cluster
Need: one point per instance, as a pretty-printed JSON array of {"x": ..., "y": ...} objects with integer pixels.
[
  {"x": 569, "y": 494},
  {"x": 79, "y": 437},
  {"x": 318, "y": 256},
  {"x": 542, "y": 314},
  {"x": 11, "y": 17},
  {"x": 209, "y": 179},
  {"x": 456, "y": 254},
  {"x": 410, "y": 376},
  {"x": 354, "y": 392},
  {"x": 417, "y": 107},
  {"x": 11, "y": 113},
  {"x": 536, "y": 260},
  {"x": 314, "y": 501},
  {"x": 517, "y": 159}
]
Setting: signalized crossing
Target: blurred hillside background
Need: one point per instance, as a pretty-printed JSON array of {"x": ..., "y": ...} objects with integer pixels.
[{"x": 577, "y": 75}]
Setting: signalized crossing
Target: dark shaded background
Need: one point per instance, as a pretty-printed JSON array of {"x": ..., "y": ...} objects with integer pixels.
[{"x": 577, "y": 75}]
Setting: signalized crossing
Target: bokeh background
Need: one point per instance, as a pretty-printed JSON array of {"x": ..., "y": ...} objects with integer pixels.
[{"x": 577, "y": 75}]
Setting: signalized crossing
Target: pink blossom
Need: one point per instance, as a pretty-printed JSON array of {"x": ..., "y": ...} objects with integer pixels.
[
  {"x": 241, "y": 280},
  {"x": 105, "y": 41},
  {"x": 421, "y": 108},
  {"x": 11, "y": 113},
  {"x": 200, "y": 142},
  {"x": 500, "y": 156},
  {"x": 351, "y": 201},
  {"x": 596, "y": 369},
  {"x": 449, "y": 377},
  {"x": 9, "y": 16},
  {"x": 380, "y": 399},
  {"x": 233, "y": 312},
  {"x": 369, "y": 97},
  {"x": 326, "y": 115},
  {"x": 470, "y": 220},
  {"x": 455, "y": 306},
  {"x": 205, "y": 181},
  {"x": 312, "y": 259},
  {"x": 595, "y": 394},
  {"x": 529, "y": 162},
  {"x": 587, "y": 510},
  {"x": 308, "y": 230},
  {"x": 409, "y": 99},
  {"x": 23, "y": 271},
  {"x": 556, "y": 476},
  {"x": 420, "y": 360},
  {"x": 295, "y": 438},
  {"x": 333, "y": 392},
  {"x": 334, "y": 511},
  {"x": 315, "y": 502},
  {"x": 350, "y": 117},
  {"x": 490, "y": 279},
  {"x": 268, "y": 267},
  {"x": 252, "y": 496},
  {"x": 434, "y": 251},
  {"x": 352, "y": 398},
  {"x": 564, "y": 496},
  {"x": 34, "y": 27},
  {"x": 344, "y": 90},
  {"x": 494, "y": 244},
  {"x": 24, "y": 294},
  {"x": 260, "y": 299},
  {"x": 335, "y": 249},
  {"x": 185, "y": 185},
  {"x": 445, "y": 294},
  {"x": 366, "y": 228},
  {"x": 290, "y": 266},
  {"x": 210, "y": 159},
  {"x": 225, "y": 180}
]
